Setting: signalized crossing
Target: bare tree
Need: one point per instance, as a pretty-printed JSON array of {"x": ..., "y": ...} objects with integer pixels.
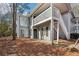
[{"x": 14, "y": 21}]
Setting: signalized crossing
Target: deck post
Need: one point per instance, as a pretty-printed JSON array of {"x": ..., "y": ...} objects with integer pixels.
[
  {"x": 39, "y": 33},
  {"x": 69, "y": 27},
  {"x": 32, "y": 35},
  {"x": 51, "y": 26},
  {"x": 57, "y": 32}
]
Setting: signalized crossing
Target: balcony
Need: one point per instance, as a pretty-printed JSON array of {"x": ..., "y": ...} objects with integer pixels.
[{"x": 43, "y": 16}]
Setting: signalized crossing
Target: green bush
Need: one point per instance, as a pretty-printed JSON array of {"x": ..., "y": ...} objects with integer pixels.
[{"x": 5, "y": 29}]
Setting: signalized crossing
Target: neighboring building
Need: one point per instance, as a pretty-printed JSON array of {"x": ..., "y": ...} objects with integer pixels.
[
  {"x": 22, "y": 26},
  {"x": 51, "y": 21}
]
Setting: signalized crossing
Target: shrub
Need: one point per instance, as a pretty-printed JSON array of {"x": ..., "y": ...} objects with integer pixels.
[{"x": 5, "y": 29}]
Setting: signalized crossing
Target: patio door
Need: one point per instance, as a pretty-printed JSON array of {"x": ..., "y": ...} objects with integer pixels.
[
  {"x": 35, "y": 33},
  {"x": 44, "y": 33}
]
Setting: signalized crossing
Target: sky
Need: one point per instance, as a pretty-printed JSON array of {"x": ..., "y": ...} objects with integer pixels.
[
  {"x": 4, "y": 8},
  {"x": 32, "y": 6}
]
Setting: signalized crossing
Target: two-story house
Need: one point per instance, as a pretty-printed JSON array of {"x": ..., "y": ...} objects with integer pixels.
[
  {"x": 49, "y": 21},
  {"x": 53, "y": 21}
]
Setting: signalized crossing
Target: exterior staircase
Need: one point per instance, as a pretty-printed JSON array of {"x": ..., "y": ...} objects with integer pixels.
[{"x": 62, "y": 23}]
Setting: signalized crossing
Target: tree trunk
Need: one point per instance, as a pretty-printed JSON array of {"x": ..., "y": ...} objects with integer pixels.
[{"x": 14, "y": 21}]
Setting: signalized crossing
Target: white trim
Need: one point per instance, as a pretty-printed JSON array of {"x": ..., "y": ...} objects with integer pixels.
[
  {"x": 43, "y": 21},
  {"x": 46, "y": 20}
]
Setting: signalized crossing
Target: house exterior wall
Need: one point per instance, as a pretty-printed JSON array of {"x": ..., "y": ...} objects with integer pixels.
[
  {"x": 18, "y": 26},
  {"x": 22, "y": 23},
  {"x": 25, "y": 31}
]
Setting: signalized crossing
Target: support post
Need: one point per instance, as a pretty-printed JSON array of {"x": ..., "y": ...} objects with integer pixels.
[
  {"x": 51, "y": 26},
  {"x": 32, "y": 35},
  {"x": 69, "y": 27},
  {"x": 14, "y": 21},
  {"x": 39, "y": 33},
  {"x": 57, "y": 32}
]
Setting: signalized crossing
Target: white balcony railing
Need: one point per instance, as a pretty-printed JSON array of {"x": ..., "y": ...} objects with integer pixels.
[{"x": 44, "y": 15}]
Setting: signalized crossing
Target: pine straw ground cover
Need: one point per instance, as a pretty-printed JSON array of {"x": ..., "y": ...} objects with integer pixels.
[{"x": 30, "y": 47}]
